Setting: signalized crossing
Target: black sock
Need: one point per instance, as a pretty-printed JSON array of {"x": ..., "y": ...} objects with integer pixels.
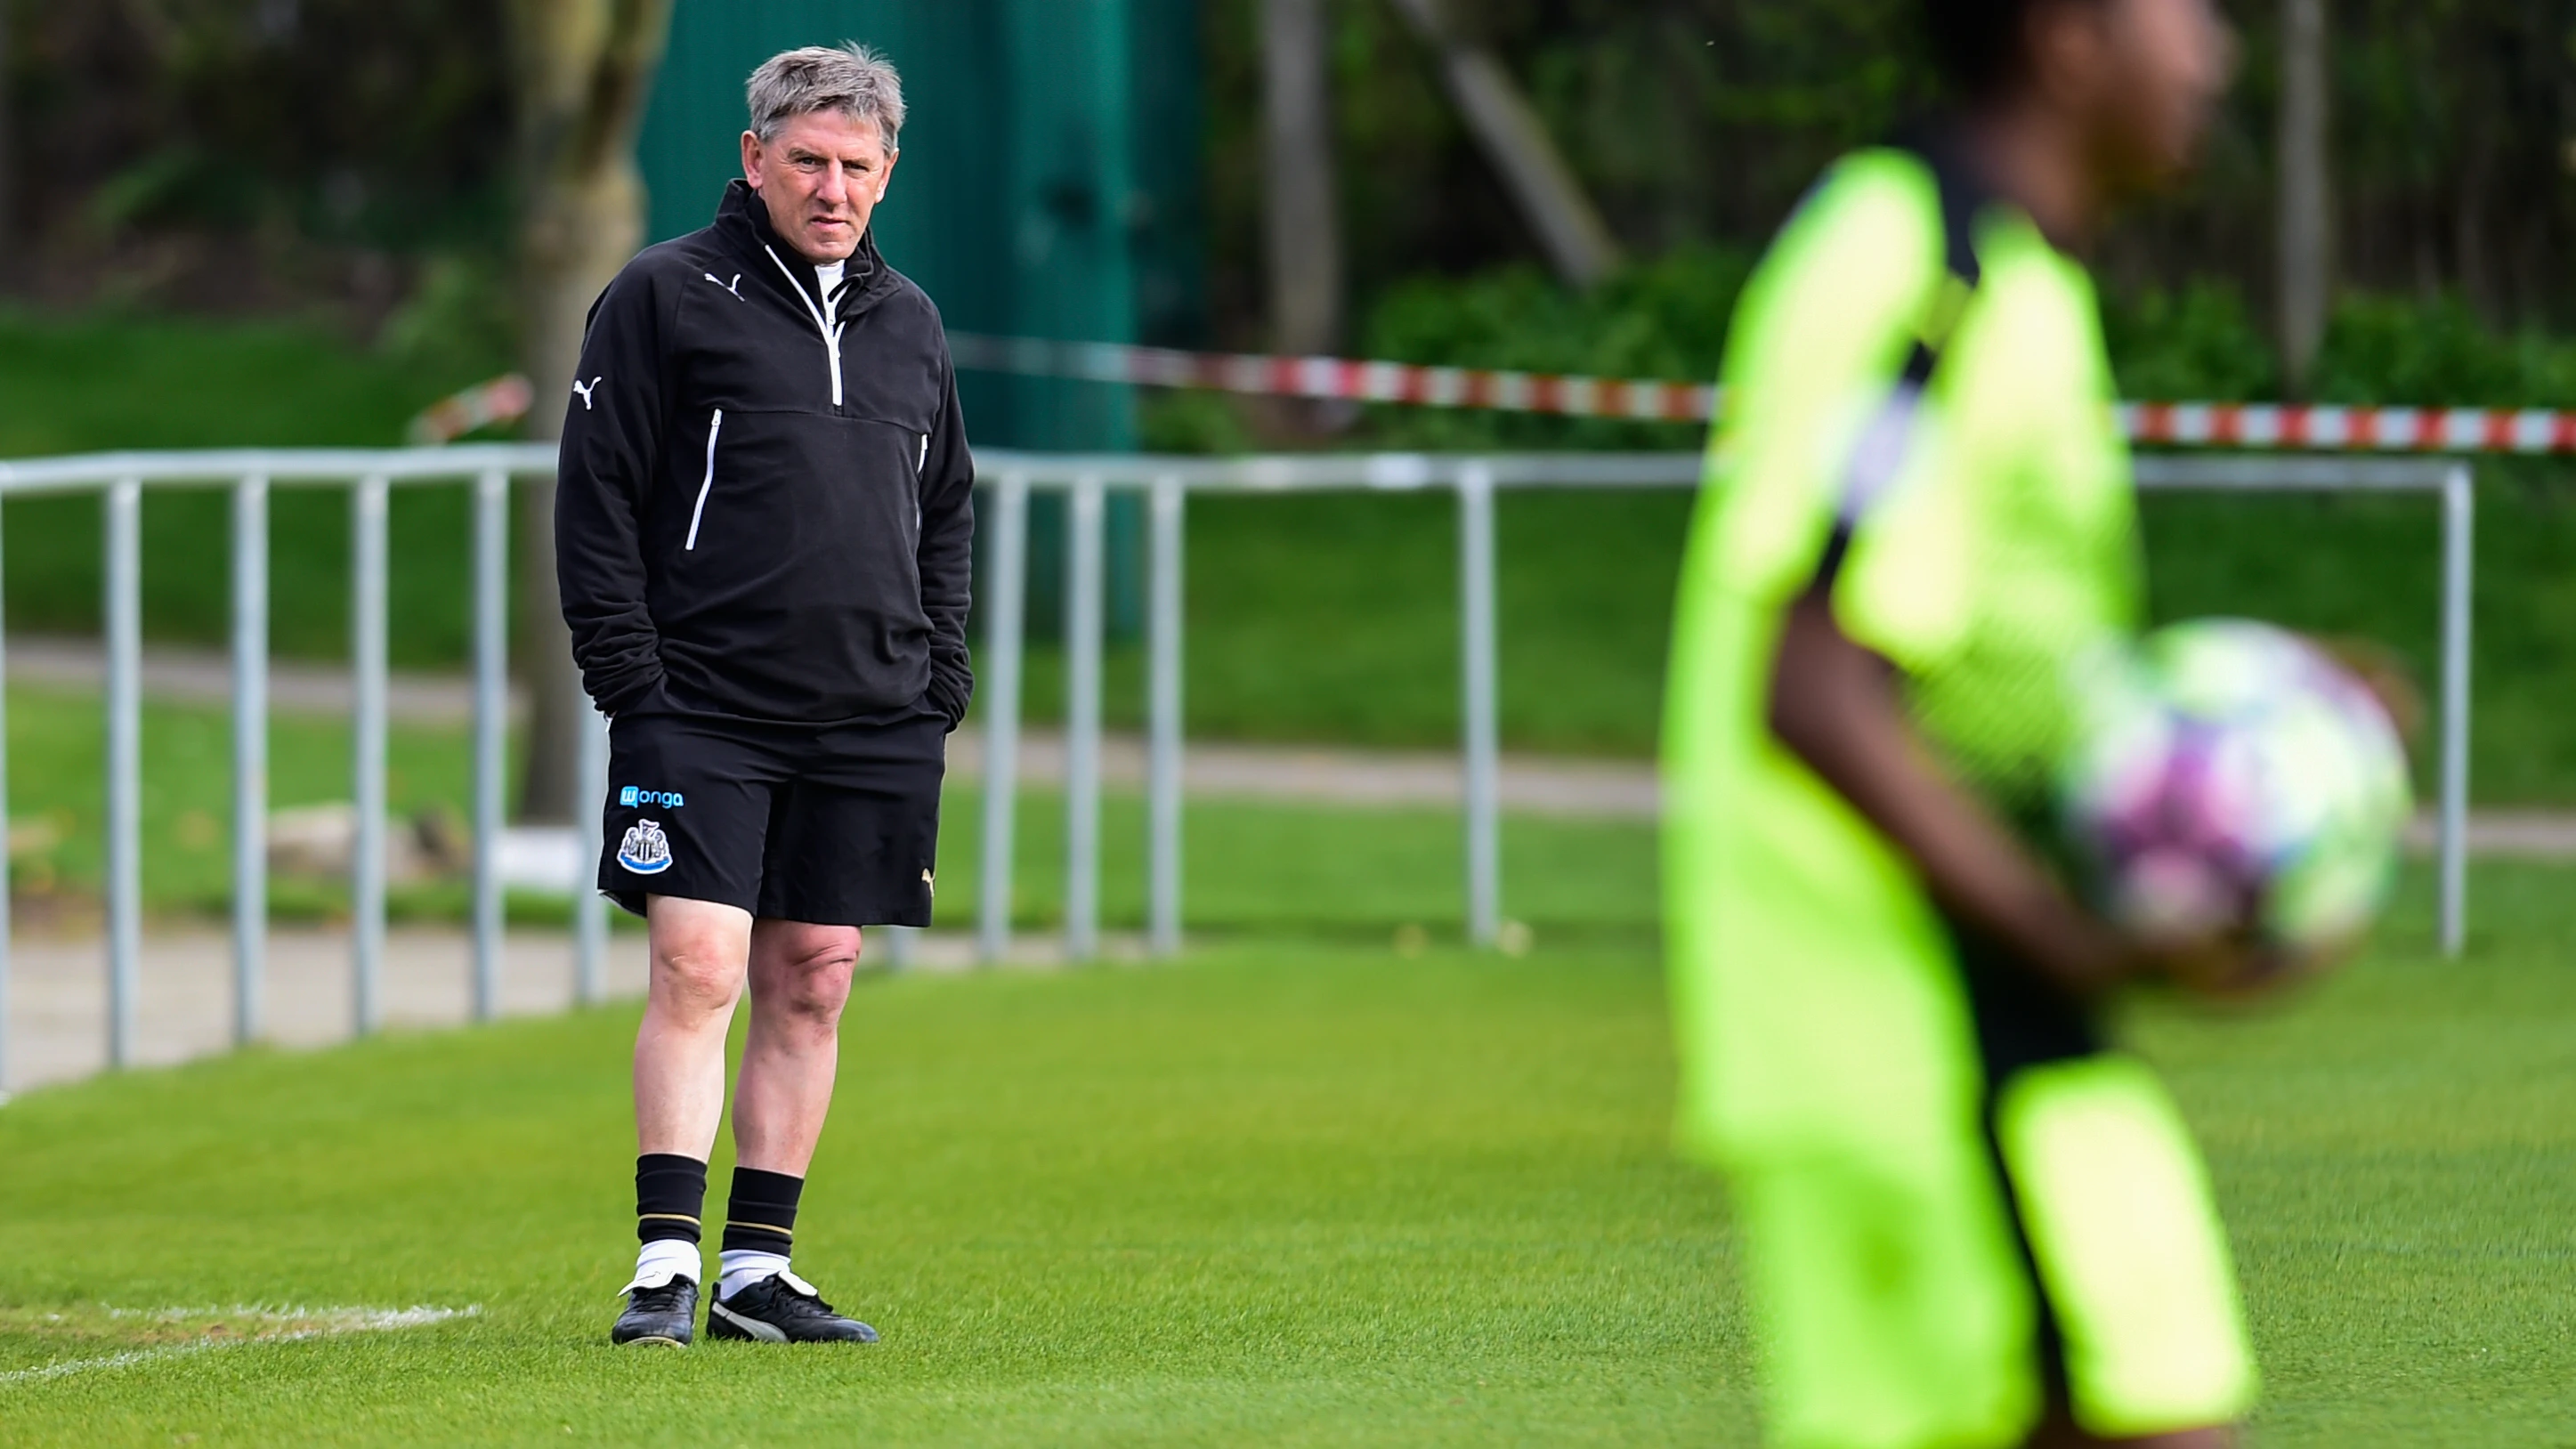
[
  {"x": 761, "y": 1216},
  {"x": 670, "y": 1193}
]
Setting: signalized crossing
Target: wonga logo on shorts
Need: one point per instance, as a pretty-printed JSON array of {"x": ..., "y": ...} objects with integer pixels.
[
  {"x": 632, "y": 796},
  {"x": 645, "y": 850}
]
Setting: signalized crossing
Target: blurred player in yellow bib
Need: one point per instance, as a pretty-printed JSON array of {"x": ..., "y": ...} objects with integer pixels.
[{"x": 1968, "y": 1221}]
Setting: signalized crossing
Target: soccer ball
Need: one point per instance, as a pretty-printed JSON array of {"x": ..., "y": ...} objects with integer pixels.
[{"x": 2229, "y": 777}]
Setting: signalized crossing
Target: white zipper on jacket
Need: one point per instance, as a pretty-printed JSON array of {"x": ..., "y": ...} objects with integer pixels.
[
  {"x": 830, "y": 329},
  {"x": 715, "y": 425}
]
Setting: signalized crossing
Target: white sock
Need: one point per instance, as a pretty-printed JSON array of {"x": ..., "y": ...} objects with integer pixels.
[
  {"x": 746, "y": 1266},
  {"x": 663, "y": 1259}
]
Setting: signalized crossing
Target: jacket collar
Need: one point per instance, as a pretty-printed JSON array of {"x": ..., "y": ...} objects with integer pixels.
[{"x": 743, "y": 222}]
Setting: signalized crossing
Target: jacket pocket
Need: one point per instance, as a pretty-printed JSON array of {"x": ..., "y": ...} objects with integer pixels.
[{"x": 715, "y": 425}]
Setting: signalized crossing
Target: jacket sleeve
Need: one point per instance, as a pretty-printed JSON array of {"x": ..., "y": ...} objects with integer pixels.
[
  {"x": 611, "y": 452},
  {"x": 947, "y": 556}
]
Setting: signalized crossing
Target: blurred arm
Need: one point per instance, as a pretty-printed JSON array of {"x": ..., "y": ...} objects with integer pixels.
[
  {"x": 1834, "y": 704},
  {"x": 611, "y": 447}
]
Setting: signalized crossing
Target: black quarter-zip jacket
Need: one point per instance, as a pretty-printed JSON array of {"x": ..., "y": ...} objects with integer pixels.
[{"x": 764, "y": 508}]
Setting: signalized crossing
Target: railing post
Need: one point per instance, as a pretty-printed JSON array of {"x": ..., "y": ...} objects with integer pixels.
[
  {"x": 369, "y": 502},
  {"x": 250, "y": 759},
  {"x": 2459, "y": 527},
  {"x": 5, "y": 871},
  {"x": 589, "y": 907},
  {"x": 1477, "y": 671},
  {"x": 124, "y": 610},
  {"x": 1082, "y": 626},
  {"x": 1163, "y": 721},
  {"x": 1007, "y": 594},
  {"x": 491, "y": 727}
]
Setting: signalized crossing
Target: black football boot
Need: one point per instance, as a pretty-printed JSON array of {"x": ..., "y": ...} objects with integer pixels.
[
  {"x": 665, "y": 1316},
  {"x": 782, "y": 1308}
]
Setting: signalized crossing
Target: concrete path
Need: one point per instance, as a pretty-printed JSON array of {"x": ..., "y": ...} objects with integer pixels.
[
  {"x": 57, "y": 1029},
  {"x": 205, "y": 676},
  {"x": 58, "y": 996},
  {"x": 2506, "y": 834},
  {"x": 1297, "y": 774},
  {"x": 58, "y": 1025}
]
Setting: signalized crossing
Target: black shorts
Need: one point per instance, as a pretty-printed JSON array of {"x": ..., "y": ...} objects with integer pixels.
[{"x": 834, "y": 826}]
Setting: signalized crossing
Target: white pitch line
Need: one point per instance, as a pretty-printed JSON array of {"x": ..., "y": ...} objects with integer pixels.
[
  {"x": 112, "y": 1361},
  {"x": 335, "y": 1321},
  {"x": 329, "y": 1320}
]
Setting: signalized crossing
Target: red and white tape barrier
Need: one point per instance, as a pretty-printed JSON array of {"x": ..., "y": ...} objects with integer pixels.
[
  {"x": 505, "y": 399},
  {"x": 2252, "y": 426},
  {"x": 2350, "y": 429},
  {"x": 1336, "y": 378}
]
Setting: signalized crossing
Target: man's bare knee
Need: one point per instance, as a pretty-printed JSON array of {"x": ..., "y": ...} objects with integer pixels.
[
  {"x": 695, "y": 977},
  {"x": 699, "y": 952},
  {"x": 803, "y": 976}
]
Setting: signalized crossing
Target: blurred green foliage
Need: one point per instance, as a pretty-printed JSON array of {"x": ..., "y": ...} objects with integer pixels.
[
  {"x": 1689, "y": 121},
  {"x": 384, "y": 128},
  {"x": 375, "y": 123},
  {"x": 1700, "y": 122},
  {"x": 1667, "y": 318},
  {"x": 1663, "y": 319},
  {"x": 103, "y": 381},
  {"x": 2195, "y": 343},
  {"x": 461, "y": 320}
]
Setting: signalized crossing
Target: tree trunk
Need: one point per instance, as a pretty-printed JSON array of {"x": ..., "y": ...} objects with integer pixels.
[
  {"x": 583, "y": 69},
  {"x": 1304, "y": 230},
  {"x": 2306, "y": 221},
  {"x": 8, "y": 136},
  {"x": 1515, "y": 140}
]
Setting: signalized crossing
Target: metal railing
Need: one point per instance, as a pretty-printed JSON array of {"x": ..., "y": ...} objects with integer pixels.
[
  {"x": 121, "y": 480},
  {"x": 1166, "y": 482}
]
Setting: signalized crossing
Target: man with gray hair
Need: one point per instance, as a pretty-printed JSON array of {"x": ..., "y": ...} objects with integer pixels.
[{"x": 763, "y": 529}]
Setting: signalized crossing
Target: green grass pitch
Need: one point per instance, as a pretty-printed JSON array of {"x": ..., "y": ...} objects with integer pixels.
[{"x": 1279, "y": 1193}]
